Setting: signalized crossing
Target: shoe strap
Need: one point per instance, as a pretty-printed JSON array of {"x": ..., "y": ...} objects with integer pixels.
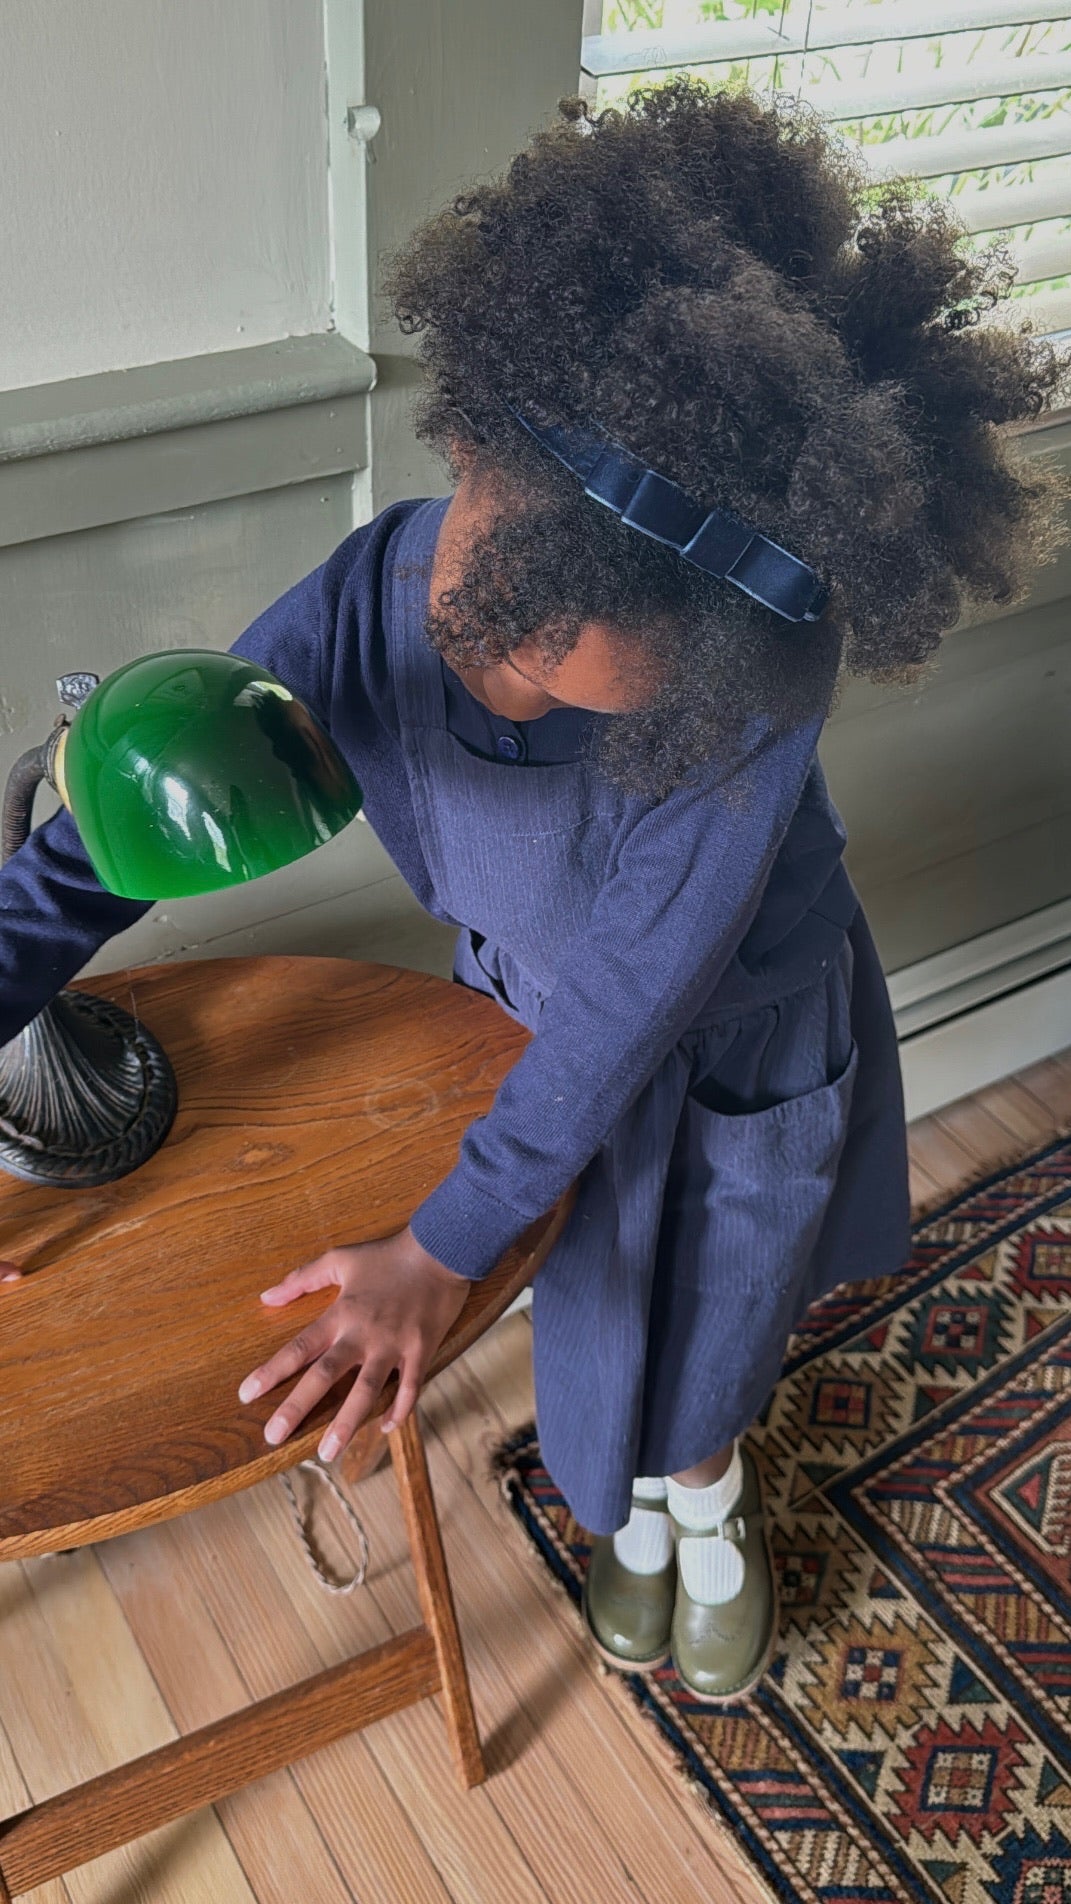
[
  {"x": 651, "y": 1507},
  {"x": 735, "y": 1528}
]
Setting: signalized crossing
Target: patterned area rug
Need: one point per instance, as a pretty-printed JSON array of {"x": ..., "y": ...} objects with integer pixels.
[{"x": 913, "y": 1737}]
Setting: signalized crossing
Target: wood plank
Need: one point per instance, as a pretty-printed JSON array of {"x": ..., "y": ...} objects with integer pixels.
[
  {"x": 1028, "y": 1121},
  {"x": 940, "y": 1155},
  {"x": 925, "y": 1191},
  {"x": 1049, "y": 1083},
  {"x": 62, "y": 1731},
  {"x": 278, "y": 1844},
  {"x": 108, "y": 1811},
  {"x": 979, "y": 1133},
  {"x": 983, "y": 1133},
  {"x": 1063, "y": 1059},
  {"x": 480, "y": 1861}
]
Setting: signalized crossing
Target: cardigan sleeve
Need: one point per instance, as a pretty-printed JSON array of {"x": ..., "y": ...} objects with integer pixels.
[
  {"x": 324, "y": 639},
  {"x": 54, "y": 912},
  {"x": 678, "y": 902}
]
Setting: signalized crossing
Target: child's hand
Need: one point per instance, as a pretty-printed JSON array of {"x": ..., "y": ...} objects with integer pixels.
[{"x": 395, "y": 1305}]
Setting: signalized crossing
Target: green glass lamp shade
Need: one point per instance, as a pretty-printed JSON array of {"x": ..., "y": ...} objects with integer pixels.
[{"x": 189, "y": 771}]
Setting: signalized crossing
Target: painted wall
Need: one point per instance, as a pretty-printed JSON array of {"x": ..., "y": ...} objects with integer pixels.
[
  {"x": 235, "y": 113},
  {"x": 460, "y": 85},
  {"x": 164, "y": 181}
]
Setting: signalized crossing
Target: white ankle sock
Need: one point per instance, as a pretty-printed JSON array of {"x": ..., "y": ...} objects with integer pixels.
[
  {"x": 711, "y": 1569},
  {"x": 645, "y": 1543}
]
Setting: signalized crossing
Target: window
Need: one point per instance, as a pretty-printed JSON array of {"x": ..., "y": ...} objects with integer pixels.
[{"x": 972, "y": 96}]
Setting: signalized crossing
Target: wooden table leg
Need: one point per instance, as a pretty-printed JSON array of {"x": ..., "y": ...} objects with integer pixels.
[
  {"x": 436, "y": 1596},
  {"x": 367, "y": 1451}
]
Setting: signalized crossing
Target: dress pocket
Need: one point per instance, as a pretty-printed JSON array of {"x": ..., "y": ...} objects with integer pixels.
[
  {"x": 749, "y": 1191},
  {"x": 803, "y": 1132},
  {"x": 746, "y": 1200}
]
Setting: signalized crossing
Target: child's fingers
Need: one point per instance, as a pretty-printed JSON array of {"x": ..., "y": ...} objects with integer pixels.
[
  {"x": 9, "y": 1272},
  {"x": 319, "y": 1274},
  {"x": 296, "y": 1355},
  {"x": 356, "y": 1409},
  {"x": 410, "y": 1383},
  {"x": 311, "y": 1389}
]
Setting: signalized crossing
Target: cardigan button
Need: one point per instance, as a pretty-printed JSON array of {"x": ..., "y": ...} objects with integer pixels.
[{"x": 509, "y": 748}]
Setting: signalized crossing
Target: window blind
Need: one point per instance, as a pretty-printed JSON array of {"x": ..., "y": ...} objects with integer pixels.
[{"x": 971, "y": 96}]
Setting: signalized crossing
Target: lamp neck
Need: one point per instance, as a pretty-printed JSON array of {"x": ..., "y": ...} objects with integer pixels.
[{"x": 31, "y": 768}]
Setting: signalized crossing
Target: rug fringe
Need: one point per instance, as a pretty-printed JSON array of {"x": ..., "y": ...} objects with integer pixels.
[
  {"x": 502, "y": 1466},
  {"x": 504, "y": 1471},
  {"x": 505, "y": 1454}
]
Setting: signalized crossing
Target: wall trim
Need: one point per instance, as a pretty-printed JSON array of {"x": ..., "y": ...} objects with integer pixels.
[
  {"x": 989, "y": 966},
  {"x": 984, "y": 1008},
  {"x": 88, "y": 451},
  {"x": 118, "y": 405},
  {"x": 980, "y": 1047}
]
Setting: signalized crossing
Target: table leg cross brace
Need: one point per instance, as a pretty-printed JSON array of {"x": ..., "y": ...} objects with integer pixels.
[{"x": 93, "y": 1818}]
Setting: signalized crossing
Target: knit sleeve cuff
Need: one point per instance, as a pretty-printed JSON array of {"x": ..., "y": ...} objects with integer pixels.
[{"x": 465, "y": 1228}]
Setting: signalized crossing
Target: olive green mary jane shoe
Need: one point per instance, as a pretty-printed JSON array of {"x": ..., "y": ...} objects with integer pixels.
[
  {"x": 628, "y": 1615},
  {"x": 721, "y": 1652}
]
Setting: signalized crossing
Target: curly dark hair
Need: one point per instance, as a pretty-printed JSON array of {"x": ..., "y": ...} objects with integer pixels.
[{"x": 712, "y": 279}]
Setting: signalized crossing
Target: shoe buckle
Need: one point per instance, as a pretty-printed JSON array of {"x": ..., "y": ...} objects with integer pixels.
[{"x": 736, "y": 1529}]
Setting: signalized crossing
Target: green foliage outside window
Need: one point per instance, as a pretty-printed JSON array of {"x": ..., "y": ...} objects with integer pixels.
[{"x": 820, "y": 74}]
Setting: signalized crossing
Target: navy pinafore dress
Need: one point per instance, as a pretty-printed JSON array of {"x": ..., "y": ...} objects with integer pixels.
[{"x": 763, "y": 1162}]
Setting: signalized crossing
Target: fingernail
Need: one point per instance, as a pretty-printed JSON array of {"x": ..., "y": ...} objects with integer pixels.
[
  {"x": 329, "y": 1447},
  {"x": 388, "y": 1427},
  {"x": 249, "y": 1390},
  {"x": 275, "y": 1431}
]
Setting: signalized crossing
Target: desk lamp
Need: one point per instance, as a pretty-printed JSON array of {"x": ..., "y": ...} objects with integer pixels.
[{"x": 184, "y": 772}]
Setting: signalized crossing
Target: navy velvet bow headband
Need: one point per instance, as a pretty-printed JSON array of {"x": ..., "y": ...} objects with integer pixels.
[{"x": 712, "y": 539}]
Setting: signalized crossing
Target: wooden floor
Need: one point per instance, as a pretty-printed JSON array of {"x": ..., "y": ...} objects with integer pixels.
[{"x": 109, "y": 1651}]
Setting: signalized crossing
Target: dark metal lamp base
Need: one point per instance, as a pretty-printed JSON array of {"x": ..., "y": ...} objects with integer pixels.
[{"x": 86, "y": 1095}]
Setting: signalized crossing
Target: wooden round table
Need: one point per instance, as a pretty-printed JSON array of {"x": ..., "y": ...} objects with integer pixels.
[{"x": 319, "y": 1101}]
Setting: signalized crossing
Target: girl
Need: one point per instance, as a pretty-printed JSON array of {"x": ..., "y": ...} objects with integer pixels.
[{"x": 721, "y": 421}]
